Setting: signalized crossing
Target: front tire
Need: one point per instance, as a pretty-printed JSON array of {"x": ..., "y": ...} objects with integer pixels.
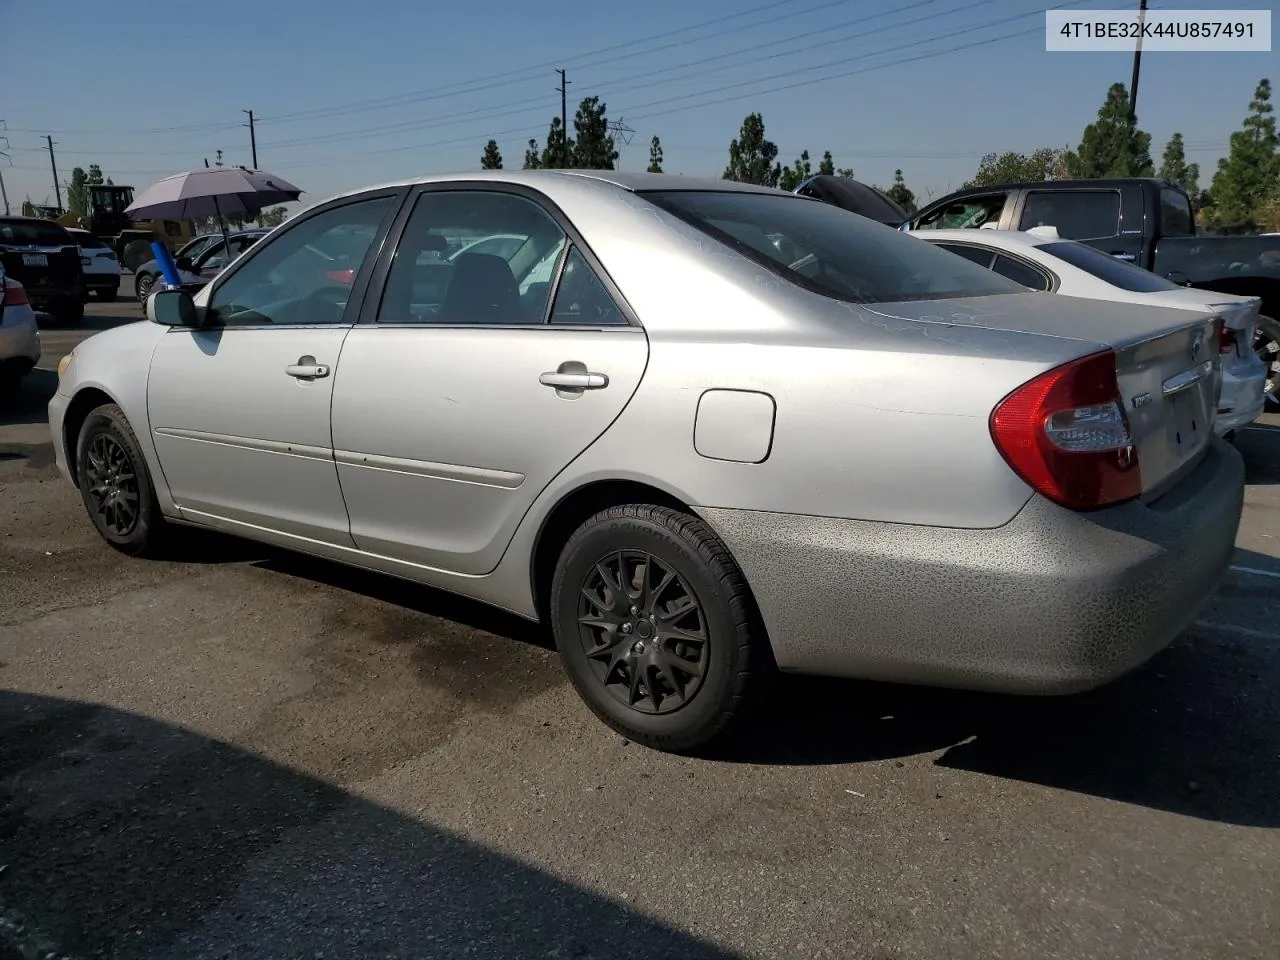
[
  {"x": 657, "y": 628},
  {"x": 115, "y": 484}
]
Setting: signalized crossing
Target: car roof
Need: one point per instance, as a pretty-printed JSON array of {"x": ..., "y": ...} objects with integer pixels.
[
  {"x": 1008, "y": 239},
  {"x": 549, "y": 179}
]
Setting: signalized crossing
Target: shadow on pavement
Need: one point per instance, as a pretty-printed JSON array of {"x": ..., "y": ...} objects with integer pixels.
[
  {"x": 129, "y": 838},
  {"x": 1196, "y": 731}
]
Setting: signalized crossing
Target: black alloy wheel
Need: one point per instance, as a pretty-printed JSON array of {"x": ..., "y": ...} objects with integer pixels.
[
  {"x": 643, "y": 631},
  {"x": 116, "y": 485},
  {"x": 112, "y": 484},
  {"x": 1266, "y": 344}
]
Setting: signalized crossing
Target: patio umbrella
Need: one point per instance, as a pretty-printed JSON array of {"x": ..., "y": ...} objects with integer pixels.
[{"x": 212, "y": 192}]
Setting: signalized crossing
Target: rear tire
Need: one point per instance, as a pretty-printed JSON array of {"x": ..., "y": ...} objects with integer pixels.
[
  {"x": 136, "y": 253},
  {"x": 669, "y": 650},
  {"x": 1266, "y": 344},
  {"x": 106, "y": 296},
  {"x": 115, "y": 484}
]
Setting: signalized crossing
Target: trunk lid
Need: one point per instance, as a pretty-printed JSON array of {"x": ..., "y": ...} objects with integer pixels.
[{"x": 1167, "y": 363}]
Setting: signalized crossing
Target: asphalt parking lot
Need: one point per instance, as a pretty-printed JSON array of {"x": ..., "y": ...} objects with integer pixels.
[{"x": 250, "y": 754}]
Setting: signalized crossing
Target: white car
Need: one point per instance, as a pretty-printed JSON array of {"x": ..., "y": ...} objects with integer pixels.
[
  {"x": 99, "y": 263},
  {"x": 1043, "y": 260},
  {"x": 19, "y": 335}
]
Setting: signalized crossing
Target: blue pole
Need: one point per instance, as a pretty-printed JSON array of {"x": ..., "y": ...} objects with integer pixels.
[{"x": 167, "y": 264}]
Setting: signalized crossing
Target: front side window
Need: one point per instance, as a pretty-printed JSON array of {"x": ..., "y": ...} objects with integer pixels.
[
  {"x": 971, "y": 212},
  {"x": 1076, "y": 214},
  {"x": 1108, "y": 269},
  {"x": 472, "y": 257},
  {"x": 830, "y": 251},
  {"x": 304, "y": 275}
]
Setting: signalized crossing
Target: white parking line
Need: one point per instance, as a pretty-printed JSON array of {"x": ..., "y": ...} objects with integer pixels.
[{"x": 1254, "y": 571}]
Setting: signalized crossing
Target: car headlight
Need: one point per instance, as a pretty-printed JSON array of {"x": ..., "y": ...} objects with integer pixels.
[{"x": 64, "y": 364}]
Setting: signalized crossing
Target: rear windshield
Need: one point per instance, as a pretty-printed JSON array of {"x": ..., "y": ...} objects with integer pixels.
[
  {"x": 1108, "y": 269},
  {"x": 831, "y": 251},
  {"x": 87, "y": 240},
  {"x": 26, "y": 234}
]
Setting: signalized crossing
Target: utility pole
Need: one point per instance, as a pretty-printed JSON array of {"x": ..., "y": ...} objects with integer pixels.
[
  {"x": 4, "y": 193},
  {"x": 1137, "y": 64},
  {"x": 57, "y": 187},
  {"x": 253, "y": 139},
  {"x": 564, "y": 118}
]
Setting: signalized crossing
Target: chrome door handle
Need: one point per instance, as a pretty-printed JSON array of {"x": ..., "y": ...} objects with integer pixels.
[
  {"x": 307, "y": 369},
  {"x": 575, "y": 381}
]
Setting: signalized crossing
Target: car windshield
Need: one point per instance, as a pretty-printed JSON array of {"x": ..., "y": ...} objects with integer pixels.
[
  {"x": 29, "y": 234},
  {"x": 831, "y": 251},
  {"x": 1108, "y": 269}
]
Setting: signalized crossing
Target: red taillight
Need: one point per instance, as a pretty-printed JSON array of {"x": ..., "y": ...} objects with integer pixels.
[
  {"x": 1065, "y": 433},
  {"x": 15, "y": 294},
  {"x": 1227, "y": 338}
]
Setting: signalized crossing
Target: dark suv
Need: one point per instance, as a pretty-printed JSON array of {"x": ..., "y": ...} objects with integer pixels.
[{"x": 45, "y": 259}]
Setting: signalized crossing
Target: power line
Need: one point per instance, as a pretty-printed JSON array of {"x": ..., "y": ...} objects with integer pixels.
[{"x": 646, "y": 78}]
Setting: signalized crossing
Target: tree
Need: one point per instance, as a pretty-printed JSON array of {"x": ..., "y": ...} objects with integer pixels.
[
  {"x": 1175, "y": 169},
  {"x": 1113, "y": 146},
  {"x": 1248, "y": 177},
  {"x": 846, "y": 172},
  {"x": 899, "y": 193},
  {"x": 655, "y": 156},
  {"x": 273, "y": 217},
  {"x": 558, "y": 153},
  {"x": 752, "y": 158},
  {"x": 1047, "y": 163},
  {"x": 827, "y": 167},
  {"x": 95, "y": 175},
  {"x": 792, "y": 177},
  {"x": 532, "y": 156},
  {"x": 78, "y": 193},
  {"x": 593, "y": 149},
  {"x": 491, "y": 159}
]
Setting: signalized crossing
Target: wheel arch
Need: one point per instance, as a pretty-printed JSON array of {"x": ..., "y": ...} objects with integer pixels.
[
  {"x": 569, "y": 513},
  {"x": 85, "y": 400}
]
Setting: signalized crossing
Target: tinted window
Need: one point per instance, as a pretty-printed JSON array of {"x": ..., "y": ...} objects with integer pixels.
[
  {"x": 293, "y": 279},
  {"x": 1020, "y": 272},
  {"x": 581, "y": 298},
  {"x": 963, "y": 214},
  {"x": 828, "y": 250},
  {"x": 1078, "y": 214},
  {"x": 979, "y": 255},
  {"x": 28, "y": 233},
  {"x": 87, "y": 240},
  {"x": 1107, "y": 268},
  {"x": 1175, "y": 214},
  {"x": 504, "y": 249}
]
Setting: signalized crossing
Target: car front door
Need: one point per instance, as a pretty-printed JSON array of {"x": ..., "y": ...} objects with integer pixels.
[
  {"x": 462, "y": 394},
  {"x": 239, "y": 408}
]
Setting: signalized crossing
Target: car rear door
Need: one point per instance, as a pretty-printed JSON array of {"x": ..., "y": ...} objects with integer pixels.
[
  {"x": 239, "y": 408},
  {"x": 459, "y": 398}
]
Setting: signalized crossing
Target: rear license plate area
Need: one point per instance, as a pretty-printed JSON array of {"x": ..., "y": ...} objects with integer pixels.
[
  {"x": 35, "y": 260},
  {"x": 1187, "y": 423}
]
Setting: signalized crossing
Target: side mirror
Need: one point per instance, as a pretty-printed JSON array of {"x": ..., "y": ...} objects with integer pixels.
[
  {"x": 172, "y": 308},
  {"x": 184, "y": 263}
]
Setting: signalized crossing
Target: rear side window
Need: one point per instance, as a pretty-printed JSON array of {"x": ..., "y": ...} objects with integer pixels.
[
  {"x": 1077, "y": 214},
  {"x": 1126, "y": 276},
  {"x": 828, "y": 250},
  {"x": 34, "y": 234},
  {"x": 1020, "y": 272},
  {"x": 979, "y": 255},
  {"x": 1175, "y": 214}
]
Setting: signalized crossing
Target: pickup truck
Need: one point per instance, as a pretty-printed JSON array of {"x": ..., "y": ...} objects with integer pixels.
[{"x": 1144, "y": 221}]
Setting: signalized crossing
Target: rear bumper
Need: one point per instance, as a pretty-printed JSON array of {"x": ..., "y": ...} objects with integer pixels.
[
  {"x": 19, "y": 338},
  {"x": 1242, "y": 400},
  {"x": 1051, "y": 602}
]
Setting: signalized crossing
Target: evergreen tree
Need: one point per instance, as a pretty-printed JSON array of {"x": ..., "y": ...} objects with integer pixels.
[
  {"x": 1113, "y": 146},
  {"x": 491, "y": 159}
]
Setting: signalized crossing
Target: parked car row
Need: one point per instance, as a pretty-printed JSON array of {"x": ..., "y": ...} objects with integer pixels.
[{"x": 733, "y": 431}]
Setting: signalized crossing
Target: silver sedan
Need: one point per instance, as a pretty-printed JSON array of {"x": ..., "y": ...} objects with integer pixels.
[{"x": 705, "y": 431}]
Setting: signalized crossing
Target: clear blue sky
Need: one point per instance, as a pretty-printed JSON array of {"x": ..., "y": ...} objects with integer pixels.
[{"x": 351, "y": 93}]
